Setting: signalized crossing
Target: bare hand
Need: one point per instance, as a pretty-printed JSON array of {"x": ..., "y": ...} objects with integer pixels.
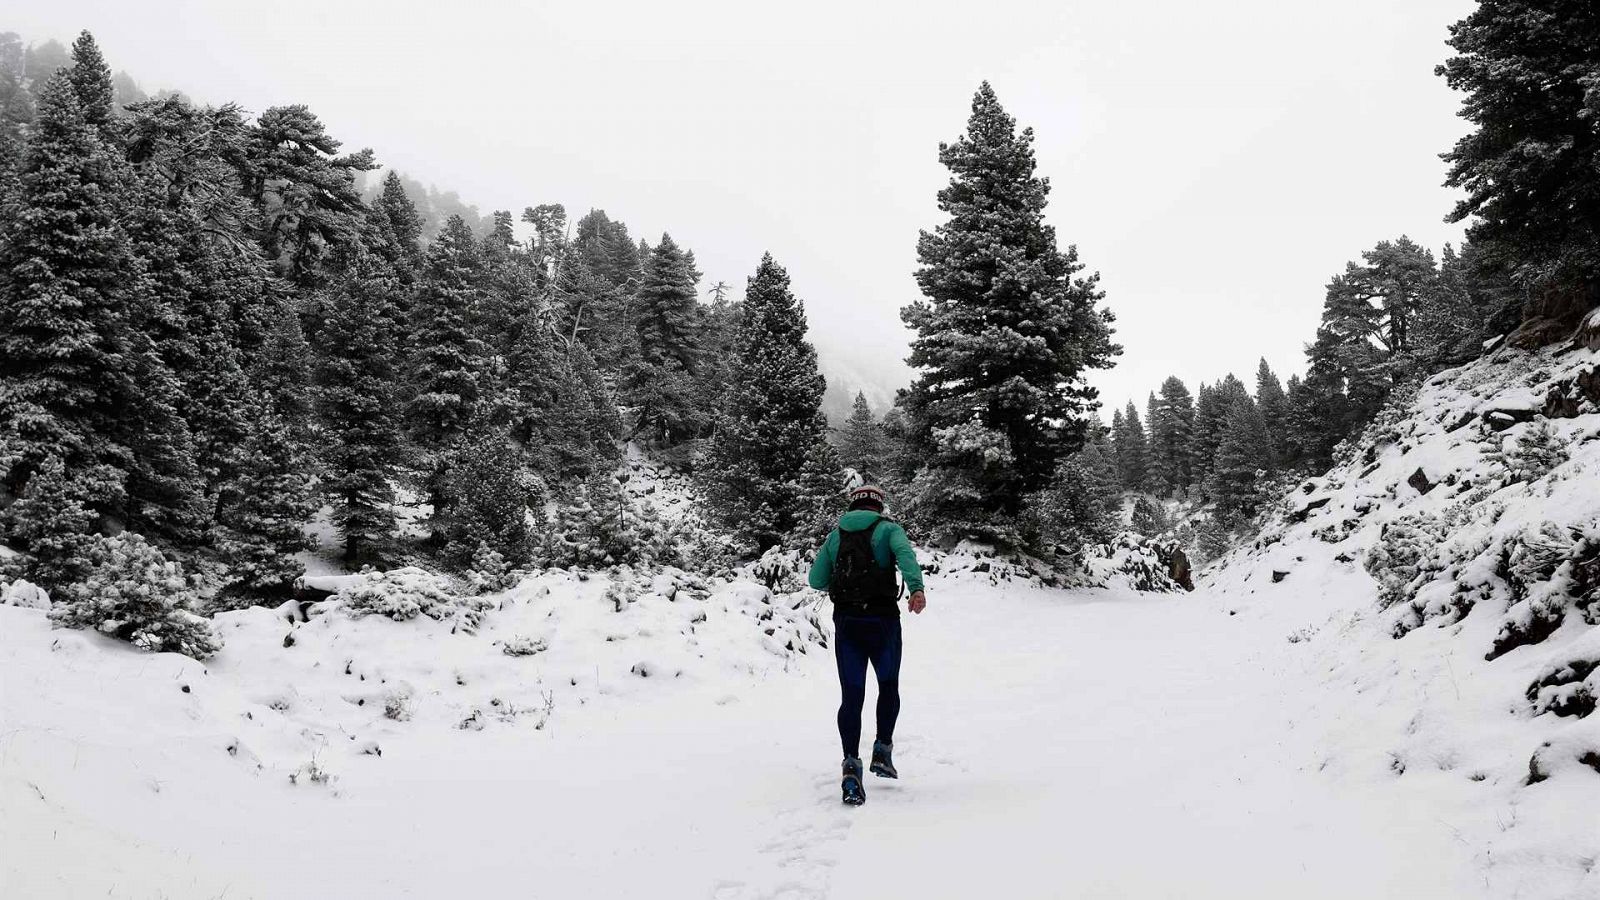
[{"x": 917, "y": 602}]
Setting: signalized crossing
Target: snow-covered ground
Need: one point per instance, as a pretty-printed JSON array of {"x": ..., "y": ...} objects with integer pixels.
[
  {"x": 1053, "y": 743},
  {"x": 660, "y": 734}
]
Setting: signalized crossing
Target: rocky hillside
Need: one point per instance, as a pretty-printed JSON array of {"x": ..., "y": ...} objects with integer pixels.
[{"x": 1444, "y": 578}]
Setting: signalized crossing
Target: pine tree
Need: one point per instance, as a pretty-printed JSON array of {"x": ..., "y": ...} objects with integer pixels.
[
  {"x": 397, "y": 232},
  {"x": 1005, "y": 336},
  {"x": 1529, "y": 72},
  {"x": 594, "y": 529},
  {"x": 16, "y": 107},
  {"x": 565, "y": 421},
  {"x": 661, "y": 381},
  {"x": 861, "y": 441},
  {"x": 1243, "y": 456},
  {"x": 1274, "y": 406},
  {"x": 770, "y": 463},
  {"x": 53, "y": 521},
  {"x": 447, "y": 362},
  {"x": 1149, "y": 519},
  {"x": 262, "y": 512},
  {"x": 493, "y": 498},
  {"x": 1080, "y": 507},
  {"x": 91, "y": 81},
  {"x": 306, "y": 196},
  {"x": 1469, "y": 305},
  {"x": 1127, "y": 435},
  {"x": 1210, "y": 413},
  {"x": 67, "y": 276},
  {"x": 1171, "y": 434},
  {"x": 355, "y": 398},
  {"x": 1364, "y": 344}
]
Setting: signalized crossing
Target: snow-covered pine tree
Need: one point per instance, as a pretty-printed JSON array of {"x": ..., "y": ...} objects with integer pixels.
[
  {"x": 355, "y": 388},
  {"x": 661, "y": 382},
  {"x": 1127, "y": 435},
  {"x": 67, "y": 279},
  {"x": 1243, "y": 455},
  {"x": 861, "y": 441},
  {"x": 262, "y": 512},
  {"x": 551, "y": 409},
  {"x": 593, "y": 529},
  {"x": 1171, "y": 436},
  {"x": 1364, "y": 344},
  {"x": 493, "y": 498},
  {"x": 1004, "y": 338},
  {"x": 1529, "y": 71},
  {"x": 1155, "y": 473},
  {"x": 53, "y": 521},
  {"x": 16, "y": 107},
  {"x": 188, "y": 241},
  {"x": 1149, "y": 519},
  {"x": 1274, "y": 406},
  {"x": 447, "y": 360},
  {"x": 395, "y": 234},
  {"x": 308, "y": 205},
  {"x": 1081, "y": 506},
  {"x": 91, "y": 81},
  {"x": 771, "y": 466},
  {"x": 1318, "y": 413},
  {"x": 1210, "y": 416},
  {"x": 1469, "y": 305}
]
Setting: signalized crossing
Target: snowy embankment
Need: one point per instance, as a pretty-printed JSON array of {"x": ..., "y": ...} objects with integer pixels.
[{"x": 1441, "y": 587}]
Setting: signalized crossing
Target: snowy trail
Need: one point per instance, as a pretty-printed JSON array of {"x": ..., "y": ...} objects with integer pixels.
[{"x": 1090, "y": 744}]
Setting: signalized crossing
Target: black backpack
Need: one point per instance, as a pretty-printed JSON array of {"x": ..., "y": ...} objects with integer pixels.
[{"x": 858, "y": 582}]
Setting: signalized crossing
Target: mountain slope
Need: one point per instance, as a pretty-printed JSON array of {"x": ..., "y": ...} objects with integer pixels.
[{"x": 1442, "y": 583}]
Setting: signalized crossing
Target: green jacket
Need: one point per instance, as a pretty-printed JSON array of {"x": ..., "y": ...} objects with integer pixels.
[{"x": 889, "y": 546}]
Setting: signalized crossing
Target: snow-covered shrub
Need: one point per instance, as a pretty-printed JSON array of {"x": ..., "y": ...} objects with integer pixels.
[
  {"x": 131, "y": 591},
  {"x": 779, "y": 570},
  {"x": 1404, "y": 557},
  {"x": 489, "y": 571},
  {"x": 1550, "y": 570},
  {"x": 397, "y": 706},
  {"x": 522, "y": 645},
  {"x": 1141, "y": 563},
  {"x": 597, "y": 528},
  {"x": 1533, "y": 454},
  {"x": 403, "y": 594}
]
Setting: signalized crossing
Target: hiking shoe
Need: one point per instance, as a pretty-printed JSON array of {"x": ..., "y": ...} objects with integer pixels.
[
  {"x": 882, "y": 764},
  {"x": 853, "y": 794}
]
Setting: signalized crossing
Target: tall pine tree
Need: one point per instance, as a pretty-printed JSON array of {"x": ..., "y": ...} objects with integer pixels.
[
  {"x": 355, "y": 392},
  {"x": 1004, "y": 338},
  {"x": 661, "y": 383},
  {"x": 771, "y": 463},
  {"x": 447, "y": 362}
]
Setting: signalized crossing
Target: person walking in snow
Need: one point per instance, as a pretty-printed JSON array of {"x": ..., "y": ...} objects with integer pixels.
[{"x": 856, "y": 567}]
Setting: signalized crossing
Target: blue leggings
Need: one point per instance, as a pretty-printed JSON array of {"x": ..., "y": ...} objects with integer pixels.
[{"x": 859, "y": 640}]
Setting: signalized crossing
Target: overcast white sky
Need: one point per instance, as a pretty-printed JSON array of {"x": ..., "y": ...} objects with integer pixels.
[{"x": 1216, "y": 162}]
